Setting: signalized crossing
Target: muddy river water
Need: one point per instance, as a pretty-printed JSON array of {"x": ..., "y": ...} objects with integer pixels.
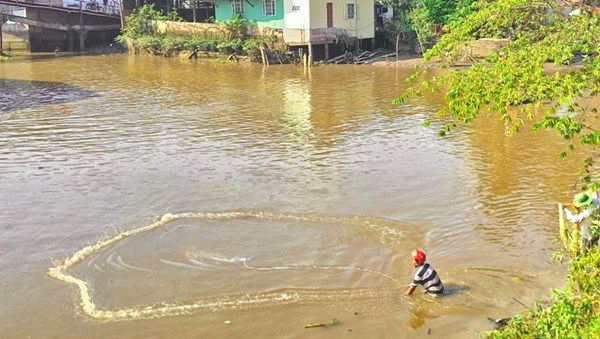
[{"x": 144, "y": 197}]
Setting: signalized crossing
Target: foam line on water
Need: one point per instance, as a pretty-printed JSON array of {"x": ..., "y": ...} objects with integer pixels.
[
  {"x": 232, "y": 301},
  {"x": 179, "y": 264},
  {"x": 338, "y": 268}
]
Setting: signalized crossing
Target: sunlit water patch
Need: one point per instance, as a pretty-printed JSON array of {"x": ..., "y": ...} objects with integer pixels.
[{"x": 184, "y": 263}]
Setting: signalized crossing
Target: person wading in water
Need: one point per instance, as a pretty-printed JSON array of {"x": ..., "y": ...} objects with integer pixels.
[{"x": 425, "y": 275}]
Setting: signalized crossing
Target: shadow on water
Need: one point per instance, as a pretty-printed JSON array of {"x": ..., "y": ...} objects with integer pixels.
[
  {"x": 20, "y": 94},
  {"x": 451, "y": 290}
]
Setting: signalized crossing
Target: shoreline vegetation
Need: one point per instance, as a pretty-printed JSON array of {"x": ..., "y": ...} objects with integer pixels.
[{"x": 148, "y": 31}]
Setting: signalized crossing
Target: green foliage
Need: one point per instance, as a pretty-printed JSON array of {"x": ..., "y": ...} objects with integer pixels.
[
  {"x": 419, "y": 18},
  {"x": 168, "y": 45},
  {"x": 237, "y": 26},
  {"x": 138, "y": 24},
  {"x": 444, "y": 11},
  {"x": 516, "y": 82},
  {"x": 571, "y": 314},
  {"x": 150, "y": 42},
  {"x": 463, "y": 8},
  {"x": 174, "y": 16},
  {"x": 5, "y": 56},
  {"x": 252, "y": 45},
  {"x": 231, "y": 46},
  {"x": 400, "y": 23},
  {"x": 234, "y": 40},
  {"x": 423, "y": 26}
]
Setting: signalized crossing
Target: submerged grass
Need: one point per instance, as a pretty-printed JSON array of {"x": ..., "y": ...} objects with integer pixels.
[{"x": 573, "y": 313}]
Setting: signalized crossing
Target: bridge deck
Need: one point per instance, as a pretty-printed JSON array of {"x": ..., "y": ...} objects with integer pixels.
[{"x": 112, "y": 8}]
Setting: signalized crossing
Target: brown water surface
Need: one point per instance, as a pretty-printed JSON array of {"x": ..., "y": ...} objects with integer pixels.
[{"x": 200, "y": 200}]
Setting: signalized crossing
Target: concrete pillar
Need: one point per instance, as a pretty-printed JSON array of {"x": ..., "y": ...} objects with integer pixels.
[
  {"x": 71, "y": 40},
  {"x": 82, "y": 35},
  {"x": 310, "y": 54},
  {"x": 327, "y": 51}
]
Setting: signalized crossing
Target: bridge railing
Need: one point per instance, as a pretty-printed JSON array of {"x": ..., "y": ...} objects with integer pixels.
[{"x": 111, "y": 7}]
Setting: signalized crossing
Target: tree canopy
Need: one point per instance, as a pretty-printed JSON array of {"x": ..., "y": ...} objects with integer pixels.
[
  {"x": 418, "y": 18},
  {"x": 515, "y": 82}
]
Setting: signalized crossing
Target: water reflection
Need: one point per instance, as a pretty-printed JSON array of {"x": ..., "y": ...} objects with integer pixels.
[
  {"x": 296, "y": 110},
  {"x": 21, "y": 94}
]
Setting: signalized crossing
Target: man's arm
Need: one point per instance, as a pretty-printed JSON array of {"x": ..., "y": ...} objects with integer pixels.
[{"x": 410, "y": 290}]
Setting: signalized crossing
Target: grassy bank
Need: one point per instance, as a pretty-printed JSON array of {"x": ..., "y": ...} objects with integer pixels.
[{"x": 573, "y": 313}]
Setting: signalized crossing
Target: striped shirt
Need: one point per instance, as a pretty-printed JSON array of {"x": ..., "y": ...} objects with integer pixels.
[{"x": 428, "y": 278}]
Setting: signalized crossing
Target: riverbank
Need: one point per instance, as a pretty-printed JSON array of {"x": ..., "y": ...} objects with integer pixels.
[{"x": 405, "y": 61}]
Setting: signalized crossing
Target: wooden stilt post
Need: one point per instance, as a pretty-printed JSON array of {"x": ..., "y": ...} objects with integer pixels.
[
  {"x": 3, "y": 19},
  {"x": 194, "y": 11},
  {"x": 305, "y": 60},
  {"x": 262, "y": 55}
]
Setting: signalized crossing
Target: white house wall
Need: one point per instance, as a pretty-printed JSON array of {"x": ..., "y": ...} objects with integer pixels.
[
  {"x": 313, "y": 15},
  {"x": 362, "y": 27},
  {"x": 318, "y": 13},
  {"x": 297, "y": 19}
]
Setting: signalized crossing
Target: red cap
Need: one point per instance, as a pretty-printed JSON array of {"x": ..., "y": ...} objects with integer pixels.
[{"x": 419, "y": 256}]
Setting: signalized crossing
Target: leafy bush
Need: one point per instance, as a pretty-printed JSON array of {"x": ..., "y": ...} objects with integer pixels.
[
  {"x": 234, "y": 40},
  {"x": 444, "y": 11},
  {"x": 231, "y": 46},
  {"x": 138, "y": 24},
  {"x": 423, "y": 26},
  {"x": 237, "y": 26},
  {"x": 574, "y": 313},
  {"x": 200, "y": 44}
]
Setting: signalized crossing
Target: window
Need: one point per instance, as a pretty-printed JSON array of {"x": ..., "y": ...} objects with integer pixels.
[
  {"x": 350, "y": 11},
  {"x": 238, "y": 6},
  {"x": 269, "y": 7}
]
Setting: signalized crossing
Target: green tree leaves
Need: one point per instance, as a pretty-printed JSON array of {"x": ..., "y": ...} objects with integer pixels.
[{"x": 549, "y": 62}]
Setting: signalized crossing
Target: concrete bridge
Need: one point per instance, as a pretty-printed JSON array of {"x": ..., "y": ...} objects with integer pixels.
[{"x": 55, "y": 23}]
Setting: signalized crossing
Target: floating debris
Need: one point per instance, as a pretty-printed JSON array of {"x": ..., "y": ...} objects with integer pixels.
[
  {"x": 333, "y": 322},
  {"x": 314, "y": 325}
]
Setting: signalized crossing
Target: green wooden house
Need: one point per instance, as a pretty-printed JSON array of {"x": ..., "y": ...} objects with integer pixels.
[{"x": 266, "y": 13}]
